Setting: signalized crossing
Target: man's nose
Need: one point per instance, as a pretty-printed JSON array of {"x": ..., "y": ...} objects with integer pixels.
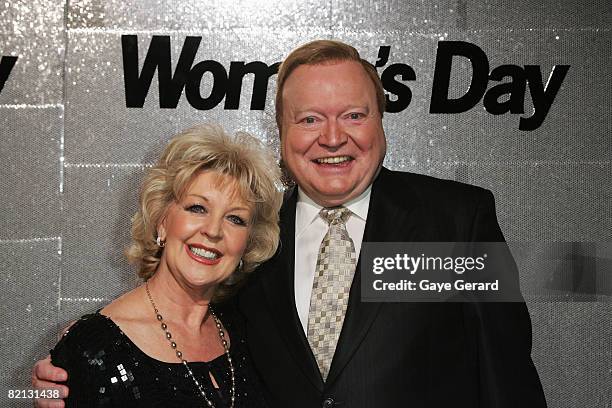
[{"x": 332, "y": 134}]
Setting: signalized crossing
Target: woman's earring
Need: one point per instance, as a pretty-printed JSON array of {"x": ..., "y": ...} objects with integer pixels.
[
  {"x": 240, "y": 264},
  {"x": 160, "y": 243}
]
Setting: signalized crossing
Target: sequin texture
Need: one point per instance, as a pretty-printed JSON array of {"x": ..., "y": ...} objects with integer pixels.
[{"x": 106, "y": 369}]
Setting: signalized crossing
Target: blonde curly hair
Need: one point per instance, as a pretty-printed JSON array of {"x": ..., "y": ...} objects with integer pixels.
[{"x": 208, "y": 148}]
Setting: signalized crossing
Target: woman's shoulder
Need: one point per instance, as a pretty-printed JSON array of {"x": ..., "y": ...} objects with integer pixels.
[
  {"x": 89, "y": 328},
  {"x": 99, "y": 329},
  {"x": 91, "y": 333},
  {"x": 93, "y": 352},
  {"x": 91, "y": 321}
]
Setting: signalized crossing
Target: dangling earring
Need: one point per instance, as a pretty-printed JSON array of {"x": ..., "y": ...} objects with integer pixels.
[
  {"x": 160, "y": 243},
  {"x": 240, "y": 265}
]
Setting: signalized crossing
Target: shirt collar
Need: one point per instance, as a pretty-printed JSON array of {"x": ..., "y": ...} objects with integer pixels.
[{"x": 307, "y": 210}]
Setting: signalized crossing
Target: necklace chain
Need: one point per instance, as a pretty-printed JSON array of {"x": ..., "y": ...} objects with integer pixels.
[{"x": 179, "y": 354}]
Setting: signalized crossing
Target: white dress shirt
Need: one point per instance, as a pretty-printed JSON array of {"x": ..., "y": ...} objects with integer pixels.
[{"x": 310, "y": 229}]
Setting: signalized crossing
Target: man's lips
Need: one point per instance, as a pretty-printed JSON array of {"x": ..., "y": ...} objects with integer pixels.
[
  {"x": 203, "y": 254},
  {"x": 334, "y": 160}
]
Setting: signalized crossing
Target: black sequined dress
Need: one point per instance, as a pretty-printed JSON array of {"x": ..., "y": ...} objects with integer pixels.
[{"x": 105, "y": 369}]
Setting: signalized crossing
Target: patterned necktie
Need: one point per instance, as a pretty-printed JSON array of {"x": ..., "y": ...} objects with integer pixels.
[{"x": 330, "y": 289}]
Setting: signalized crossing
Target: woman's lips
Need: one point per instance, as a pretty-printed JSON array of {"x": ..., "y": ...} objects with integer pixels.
[{"x": 201, "y": 258}]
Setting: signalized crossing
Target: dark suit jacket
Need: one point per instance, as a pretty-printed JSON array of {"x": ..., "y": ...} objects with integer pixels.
[{"x": 396, "y": 354}]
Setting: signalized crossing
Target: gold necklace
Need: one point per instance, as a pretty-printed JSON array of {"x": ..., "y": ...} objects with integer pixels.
[{"x": 179, "y": 354}]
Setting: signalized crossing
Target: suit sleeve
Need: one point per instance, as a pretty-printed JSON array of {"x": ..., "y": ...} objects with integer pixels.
[{"x": 508, "y": 377}]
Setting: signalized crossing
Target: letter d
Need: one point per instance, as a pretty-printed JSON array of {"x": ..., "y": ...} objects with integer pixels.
[{"x": 480, "y": 77}]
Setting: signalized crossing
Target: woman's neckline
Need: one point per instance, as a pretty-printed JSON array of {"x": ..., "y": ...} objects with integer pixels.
[{"x": 139, "y": 350}]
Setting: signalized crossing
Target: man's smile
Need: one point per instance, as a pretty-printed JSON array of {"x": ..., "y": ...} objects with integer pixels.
[{"x": 333, "y": 160}]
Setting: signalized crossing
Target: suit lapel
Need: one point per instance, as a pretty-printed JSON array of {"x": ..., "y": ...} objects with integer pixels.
[
  {"x": 279, "y": 287},
  {"x": 390, "y": 219}
]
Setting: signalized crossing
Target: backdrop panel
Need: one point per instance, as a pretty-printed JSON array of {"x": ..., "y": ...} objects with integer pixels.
[
  {"x": 32, "y": 172},
  {"x": 31, "y": 281},
  {"x": 579, "y": 373},
  {"x": 194, "y": 15}
]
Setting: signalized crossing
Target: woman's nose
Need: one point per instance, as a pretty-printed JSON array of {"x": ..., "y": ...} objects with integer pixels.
[{"x": 213, "y": 227}]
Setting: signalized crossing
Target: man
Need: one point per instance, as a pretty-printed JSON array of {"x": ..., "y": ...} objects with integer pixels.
[{"x": 311, "y": 351}]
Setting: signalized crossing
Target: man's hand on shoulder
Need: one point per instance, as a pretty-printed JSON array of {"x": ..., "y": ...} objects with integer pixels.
[{"x": 45, "y": 376}]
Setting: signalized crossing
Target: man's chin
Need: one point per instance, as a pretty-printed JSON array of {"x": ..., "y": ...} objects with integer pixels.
[{"x": 332, "y": 197}]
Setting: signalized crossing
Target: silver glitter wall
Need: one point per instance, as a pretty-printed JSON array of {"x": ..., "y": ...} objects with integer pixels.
[{"x": 73, "y": 154}]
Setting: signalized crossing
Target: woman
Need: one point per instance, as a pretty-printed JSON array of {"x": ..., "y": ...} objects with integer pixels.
[{"x": 208, "y": 215}]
